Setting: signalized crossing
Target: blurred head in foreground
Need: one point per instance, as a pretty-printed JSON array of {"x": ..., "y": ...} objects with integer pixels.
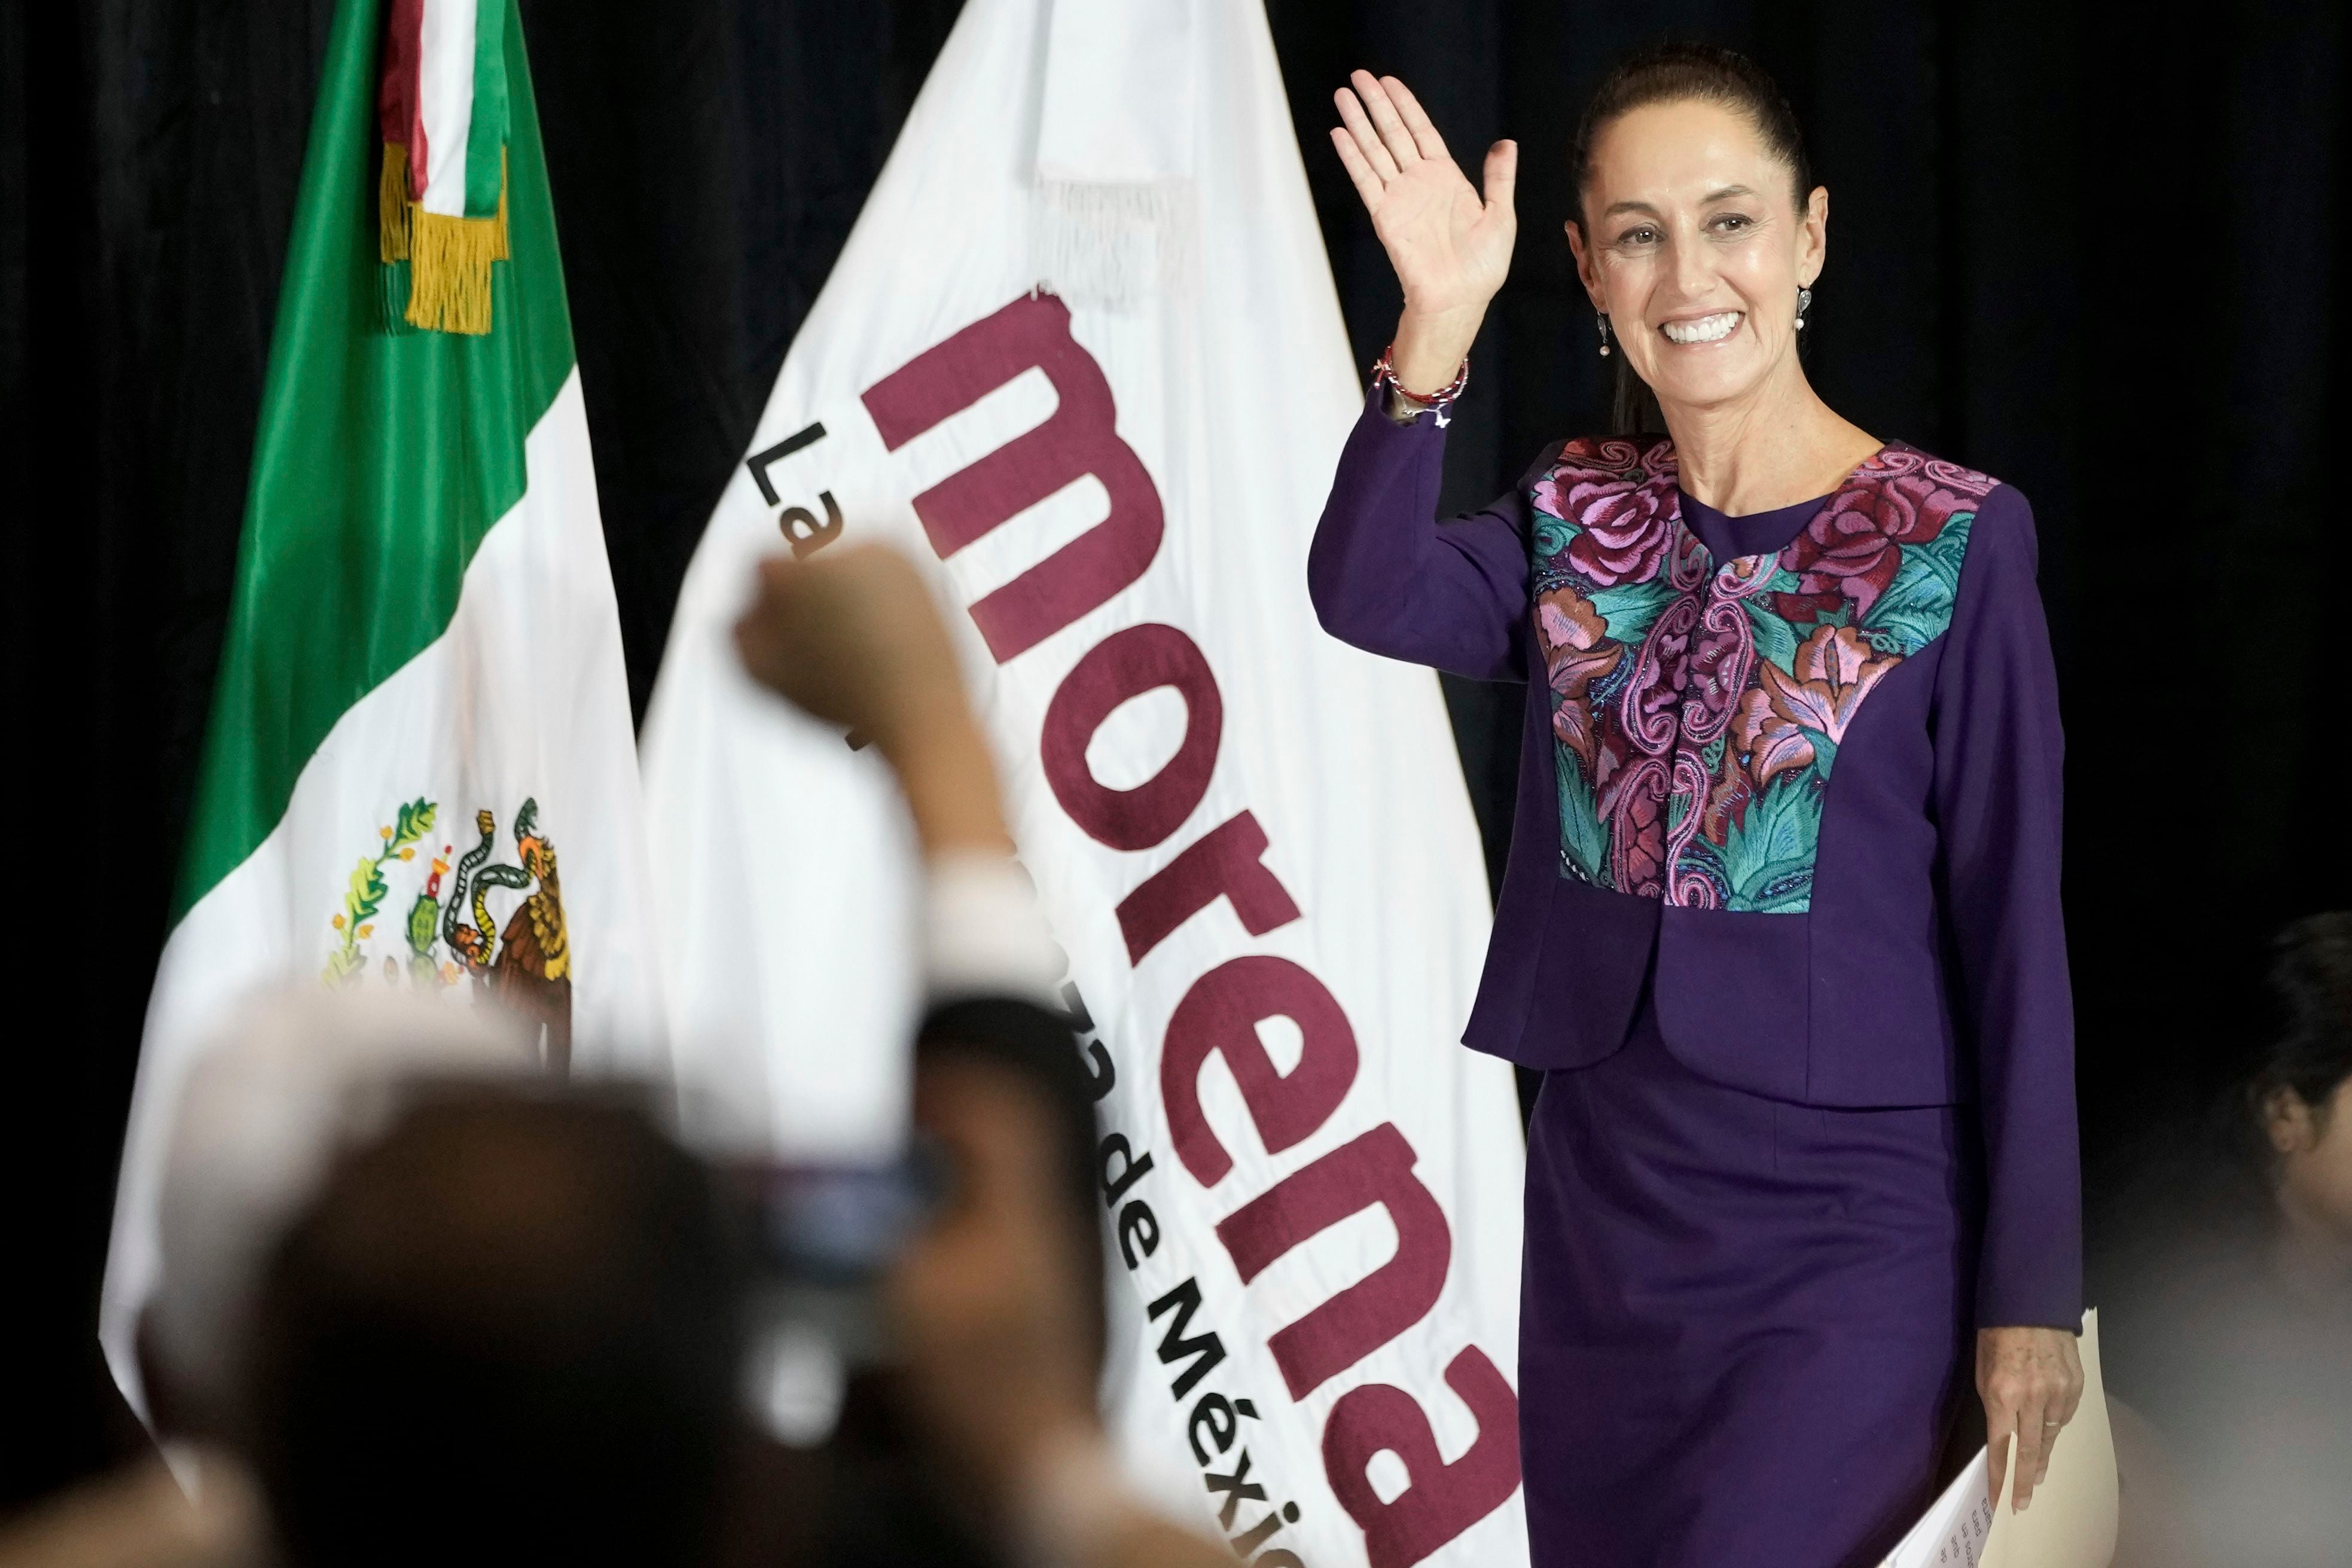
[
  {"x": 2302, "y": 1100},
  {"x": 506, "y": 1332},
  {"x": 289, "y": 1080}
]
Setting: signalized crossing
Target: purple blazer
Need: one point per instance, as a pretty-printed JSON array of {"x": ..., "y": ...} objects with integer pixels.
[{"x": 1798, "y": 773}]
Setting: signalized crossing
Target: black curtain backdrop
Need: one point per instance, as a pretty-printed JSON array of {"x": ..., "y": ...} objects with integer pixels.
[{"x": 2083, "y": 247}]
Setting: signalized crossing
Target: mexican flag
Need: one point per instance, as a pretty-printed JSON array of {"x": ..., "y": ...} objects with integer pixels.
[{"x": 420, "y": 774}]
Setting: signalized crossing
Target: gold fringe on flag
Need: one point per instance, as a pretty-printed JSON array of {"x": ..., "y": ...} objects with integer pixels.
[
  {"x": 448, "y": 257},
  {"x": 391, "y": 204}
]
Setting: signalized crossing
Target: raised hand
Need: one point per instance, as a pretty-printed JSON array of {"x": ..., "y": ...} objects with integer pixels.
[{"x": 1451, "y": 247}]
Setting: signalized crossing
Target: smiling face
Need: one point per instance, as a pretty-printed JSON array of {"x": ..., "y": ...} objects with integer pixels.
[{"x": 1695, "y": 248}]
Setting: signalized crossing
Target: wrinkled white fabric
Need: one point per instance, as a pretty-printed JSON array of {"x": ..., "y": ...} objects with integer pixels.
[{"x": 1118, "y": 101}]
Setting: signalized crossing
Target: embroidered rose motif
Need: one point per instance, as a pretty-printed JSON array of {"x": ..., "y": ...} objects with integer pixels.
[
  {"x": 1625, "y": 534},
  {"x": 1623, "y": 513},
  {"x": 1595, "y": 466},
  {"x": 1780, "y": 718},
  {"x": 1852, "y": 547},
  {"x": 1675, "y": 734}
]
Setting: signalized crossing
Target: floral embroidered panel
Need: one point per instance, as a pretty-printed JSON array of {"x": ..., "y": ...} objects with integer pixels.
[{"x": 1697, "y": 706}]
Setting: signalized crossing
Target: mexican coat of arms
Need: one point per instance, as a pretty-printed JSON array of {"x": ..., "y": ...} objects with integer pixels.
[{"x": 454, "y": 935}]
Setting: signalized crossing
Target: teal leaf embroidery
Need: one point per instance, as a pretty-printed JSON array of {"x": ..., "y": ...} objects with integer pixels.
[
  {"x": 1776, "y": 639},
  {"x": 1768, "y": 857},
  {"x": 1917, "y": 605},
  {"x": 1768, "y": 760},
  {"x": 1629, "y": 608},
  {"x": 1583, "y": 840}
]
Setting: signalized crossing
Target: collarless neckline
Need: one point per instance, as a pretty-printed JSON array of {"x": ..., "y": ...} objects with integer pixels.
[{"x": 1728, "y": 536}]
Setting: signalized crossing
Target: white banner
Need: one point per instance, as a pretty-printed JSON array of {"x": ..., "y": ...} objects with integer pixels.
[{"x": 1105, "y": 410}]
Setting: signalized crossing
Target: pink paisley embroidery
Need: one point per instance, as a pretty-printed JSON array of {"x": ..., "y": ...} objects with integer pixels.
[
  {"x": 1687, "y": 562},
  {"x": 1697, "y": 676},
  {"x": 1721, "y": 658},
  {"x": 1651, "y": 709},
  {"x": 1743, "y": 575},
  {"x": 1687, "y": 887},
  {"x": 1637, "y": 828},
  {"x": 1952, "y": 476}
]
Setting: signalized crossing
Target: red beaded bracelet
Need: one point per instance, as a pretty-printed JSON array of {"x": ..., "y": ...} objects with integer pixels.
[{"x": 1385, "y": 372}]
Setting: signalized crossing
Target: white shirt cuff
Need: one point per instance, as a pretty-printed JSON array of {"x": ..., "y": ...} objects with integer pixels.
[{"x": 984, "y": 933}]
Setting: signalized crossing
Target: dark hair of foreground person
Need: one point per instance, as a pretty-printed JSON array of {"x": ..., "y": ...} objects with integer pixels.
[{"x": 507, "y": 1332}]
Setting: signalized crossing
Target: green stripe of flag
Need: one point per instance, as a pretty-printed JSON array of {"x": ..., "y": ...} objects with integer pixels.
[
  {"x": 486, "y": 134},
  {"x": 380, "y": 462}
]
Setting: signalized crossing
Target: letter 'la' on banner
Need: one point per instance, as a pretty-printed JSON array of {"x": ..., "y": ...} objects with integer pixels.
[
  {"x": 419, "y": 773},
  {"x": 1082, "y": 360}
]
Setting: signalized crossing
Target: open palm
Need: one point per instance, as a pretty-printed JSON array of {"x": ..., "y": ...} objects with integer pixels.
[{"x": 1450, "y": 246}]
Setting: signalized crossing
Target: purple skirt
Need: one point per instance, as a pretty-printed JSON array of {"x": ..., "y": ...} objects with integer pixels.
[{"x": 1742, "y": 1321}]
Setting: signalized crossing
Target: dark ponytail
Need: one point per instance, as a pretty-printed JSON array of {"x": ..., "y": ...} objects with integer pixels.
[{"x": 1680, "y": 73}]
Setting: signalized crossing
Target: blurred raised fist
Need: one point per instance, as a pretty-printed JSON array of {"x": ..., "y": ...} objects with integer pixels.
[{"x": 852, "y": 637}]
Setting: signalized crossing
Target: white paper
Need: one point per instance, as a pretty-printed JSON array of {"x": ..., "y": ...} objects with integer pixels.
[
  {"x": 1951, "y": 1533},
  {"x": 2070, "y": 1520}
]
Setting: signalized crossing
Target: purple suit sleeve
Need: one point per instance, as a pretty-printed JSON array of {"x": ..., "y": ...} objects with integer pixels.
[
  {"x": 1387, "y": 577},
  {"x": 1998, "y": 753}
]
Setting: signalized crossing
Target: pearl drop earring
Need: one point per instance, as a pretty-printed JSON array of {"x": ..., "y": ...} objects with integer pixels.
[
  {"x": 1805, "y": 304},
  {"x": 1602, "y": 322}
]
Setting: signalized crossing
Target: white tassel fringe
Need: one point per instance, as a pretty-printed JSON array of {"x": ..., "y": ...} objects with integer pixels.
[{"x": 1114, "y": 245}]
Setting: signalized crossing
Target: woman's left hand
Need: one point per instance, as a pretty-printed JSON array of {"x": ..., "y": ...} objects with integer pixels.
[{"x": 2031, "y": 1379}]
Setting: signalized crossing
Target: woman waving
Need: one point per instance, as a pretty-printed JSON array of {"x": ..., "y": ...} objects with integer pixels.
[{"x": 1781, "y": 924}]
